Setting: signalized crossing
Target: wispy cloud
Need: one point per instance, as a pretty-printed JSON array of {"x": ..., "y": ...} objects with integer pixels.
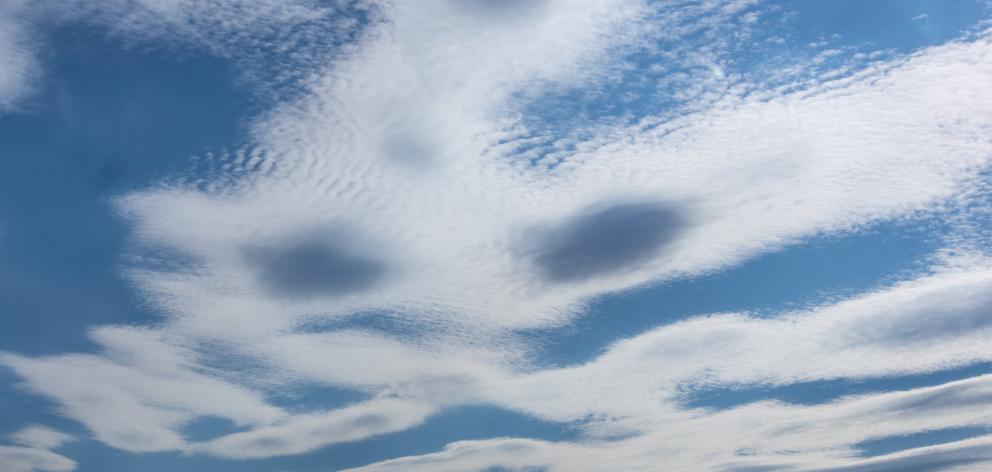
[{"x": 18, "y": 61}]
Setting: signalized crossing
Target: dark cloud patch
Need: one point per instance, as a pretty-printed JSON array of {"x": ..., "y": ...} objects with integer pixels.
[
  {"x": 925, "y": 326},
  {"x": 501, "y": 9},
  {"x": 604, "y": 241},
  {"x": 951, "y": 396},
  {"x": 320, "y": 264},
  {"x": 757, "y": 468},
  {"x": 370, "y": 421},
  {"x": 265, "y": 445},
  {"x": 409, "y": 147}
]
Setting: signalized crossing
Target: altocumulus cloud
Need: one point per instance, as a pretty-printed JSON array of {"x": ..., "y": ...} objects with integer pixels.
[{"x": 396, "y": 172}]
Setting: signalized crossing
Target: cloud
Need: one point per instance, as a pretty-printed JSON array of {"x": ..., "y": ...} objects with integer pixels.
[
  {"x": 850, "y": 339},
  {"x": 476, "y": 455},
  {"x": 398, "y": 182},
  {"x": 142, "y": 377},
  {"x": 162, "y": 391},
  {"x": 314, "y": 265},
  {"x": 751, "y": 175},
  {"x": 622, "y": 393},
  {"x": 18, "y": 62},
  {"x": 274, "y": 44},
  {"x": 33, "y": 453},
  {"x": 973, "y": 454},
  {"x": 26, "y": 459},
  {"x": 761, "y": 436},
  {"x": 604, "y": 240},
  {"x": 306, "y": 432},
  {"x": 40, "y": 437}
]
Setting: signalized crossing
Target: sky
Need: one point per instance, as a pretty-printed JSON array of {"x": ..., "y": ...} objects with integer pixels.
[{"x": 495, "y": 235}]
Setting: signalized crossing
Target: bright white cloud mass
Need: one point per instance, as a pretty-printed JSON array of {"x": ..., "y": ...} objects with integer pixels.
[{"x": 421, "y": 193}]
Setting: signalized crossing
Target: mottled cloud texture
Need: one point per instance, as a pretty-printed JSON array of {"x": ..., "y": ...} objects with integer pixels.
[{"x": 398, "y": 174}]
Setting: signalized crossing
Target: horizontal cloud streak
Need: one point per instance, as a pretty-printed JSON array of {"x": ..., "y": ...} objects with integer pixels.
[{"x": 763, "y": 436}]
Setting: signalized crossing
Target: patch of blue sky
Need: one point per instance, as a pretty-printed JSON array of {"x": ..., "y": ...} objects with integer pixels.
[
  {"x": 206, "y": 428},
  {"x": 60, "y": 259},
  {"x": 900, "y": 25},
  {"x": 818, "y": 271}
]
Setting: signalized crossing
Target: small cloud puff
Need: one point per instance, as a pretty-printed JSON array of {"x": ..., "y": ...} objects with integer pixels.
[{"x": 40, "y": 437}]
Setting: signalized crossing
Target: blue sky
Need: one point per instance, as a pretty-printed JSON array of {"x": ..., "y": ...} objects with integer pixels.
[{"x": 459, "y": 235}]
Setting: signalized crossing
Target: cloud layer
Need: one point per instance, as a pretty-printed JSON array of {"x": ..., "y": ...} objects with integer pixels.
[{"x": 402, "y": 179}]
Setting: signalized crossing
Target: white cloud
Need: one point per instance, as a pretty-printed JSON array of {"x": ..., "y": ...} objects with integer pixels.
[
  {"x": 33, "y": 454},
  {"x": 306, "y": 432},
  {"x": 940, "y": 320},
  {"x": 968, "y": 455},
  {"x": 395, "y": 186},
  {"x": 762, "y": 435},
  {"x": 27, "y": 459},
  {"x": 40, "y": 437},
  {"x": 624, "y": 392},
  {"x": 158, "y": 387},
  {"x": 749, "y": 176}
]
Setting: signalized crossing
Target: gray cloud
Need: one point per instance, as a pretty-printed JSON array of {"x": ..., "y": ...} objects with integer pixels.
[
  {"x": 951, "y": 396},
  {"x": 409, "y": 147},
  {"x": 500, "y": 9},
  {"x": 757, "y": 468},
  {"x": 925, "y": 326},
  {"x": 605, "y": 241},
  {"x": 319, "y": 264}
]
